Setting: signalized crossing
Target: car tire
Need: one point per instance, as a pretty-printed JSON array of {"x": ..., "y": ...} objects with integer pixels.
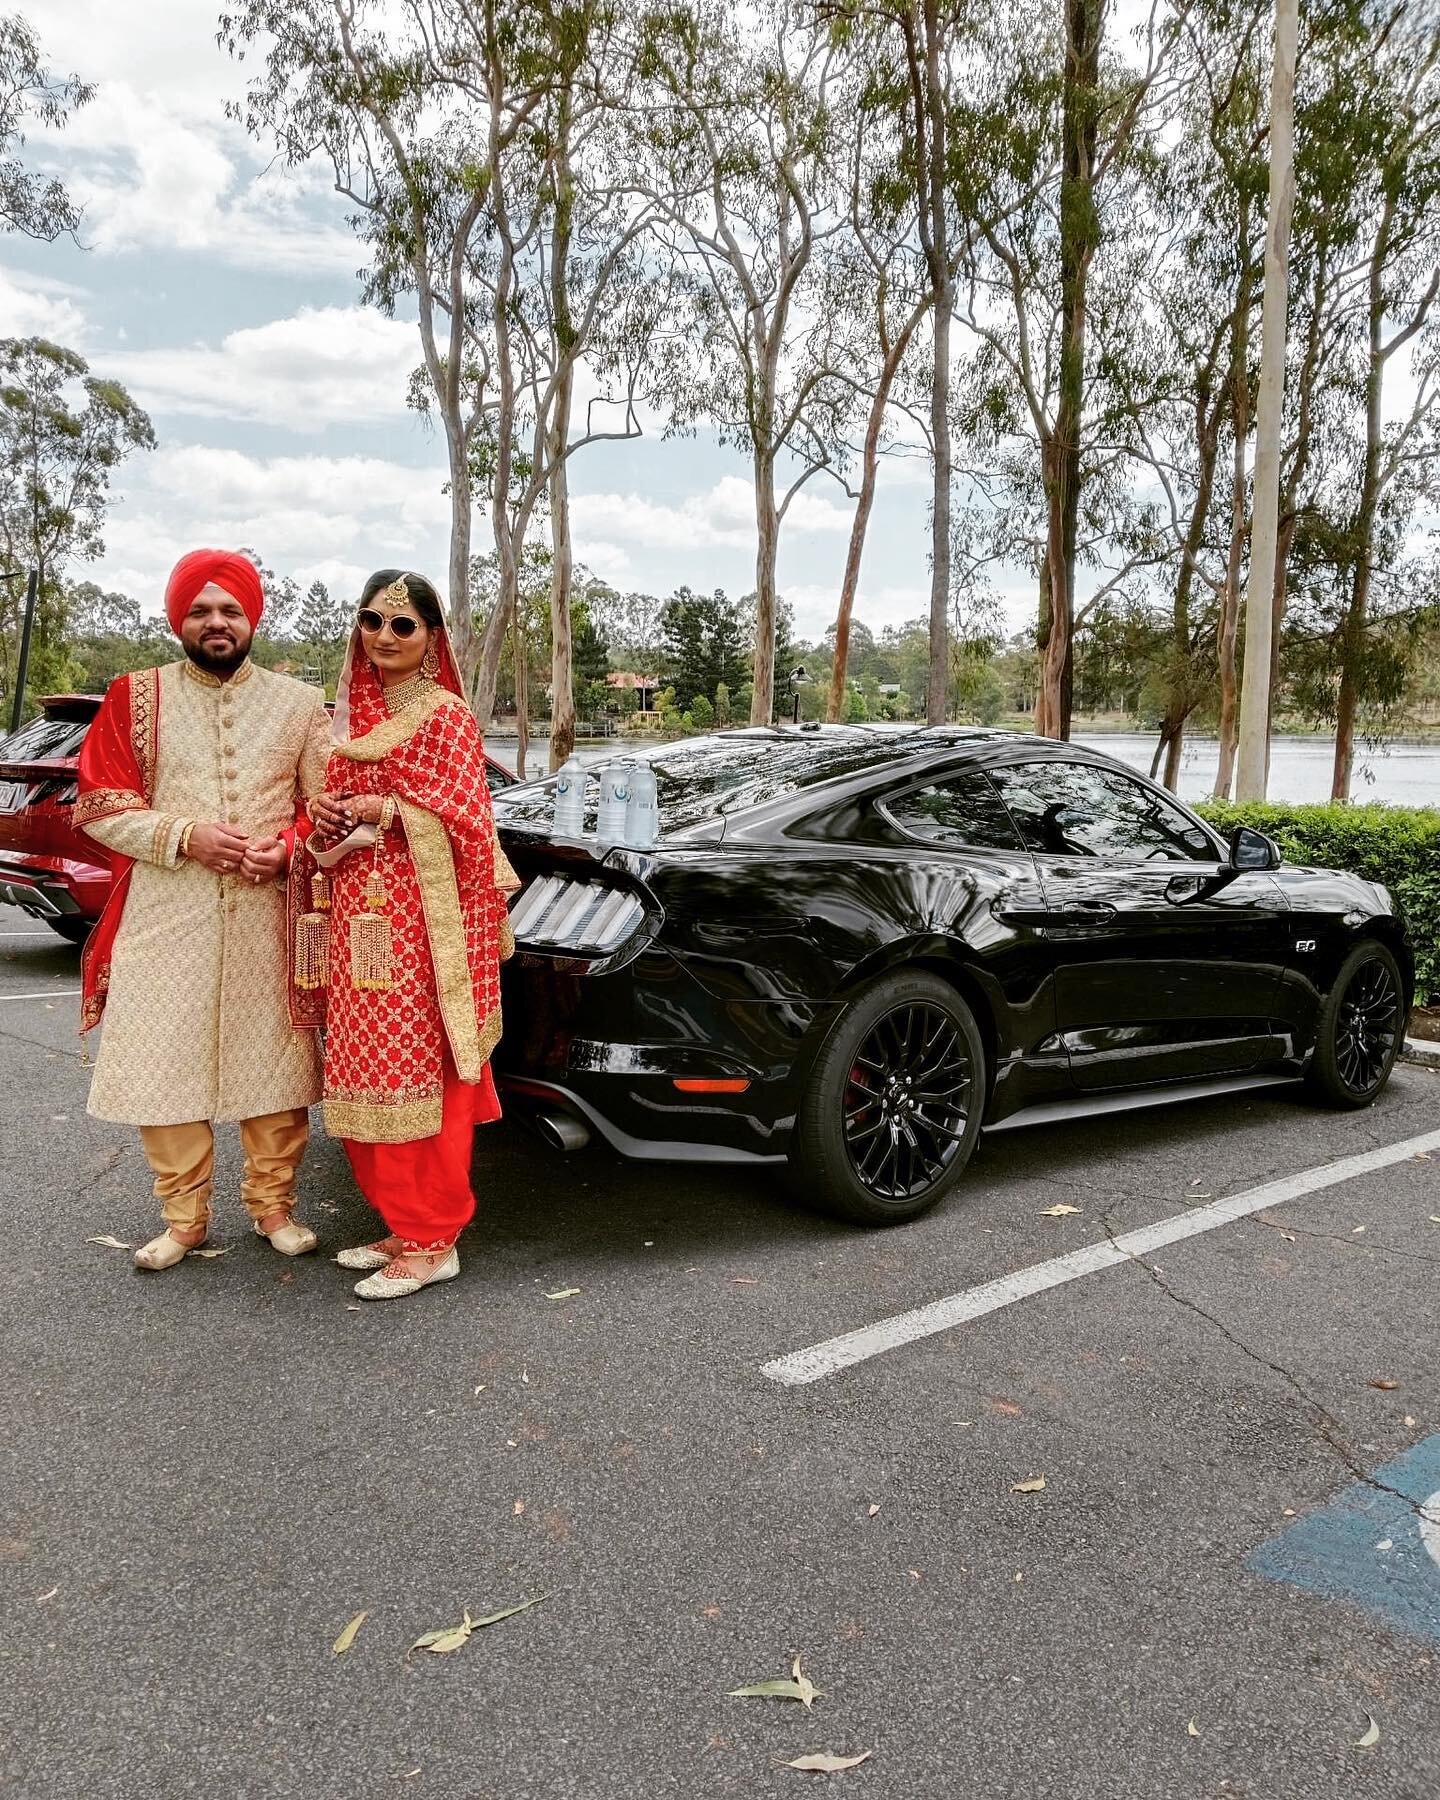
[
  {"x": 1360, "y": 1030},
  {"x": 73, "y": 930},
  {"x": 868, "y": 1147}
]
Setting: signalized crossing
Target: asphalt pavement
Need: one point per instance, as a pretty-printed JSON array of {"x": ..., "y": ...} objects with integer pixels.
[{"x": 1229, "y": 1584}]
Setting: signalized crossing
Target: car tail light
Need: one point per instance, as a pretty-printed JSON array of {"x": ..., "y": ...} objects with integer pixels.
[{"x": 561, "y": 914}]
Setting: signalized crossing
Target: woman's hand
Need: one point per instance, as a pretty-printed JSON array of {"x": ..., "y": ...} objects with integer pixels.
[
  {"x": 332, "y": 814},
  {"x": 364, "y": 809}
]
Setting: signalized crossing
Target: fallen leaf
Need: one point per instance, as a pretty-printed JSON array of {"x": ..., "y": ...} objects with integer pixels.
[
  {"x": 1357, "y": 1231},
  {"x": 41, "y": 1598},
  {"x": 481, "y": 1388},
  {"x": 1385, "y": 1384},
  {"x": 446, "y": 1641},
  {"x": 871, "y": 1511},
  {"x": 110, "y": 1243},
  {"x": 1435, "y": 1218},
  {"x": 798, "y": 1687},
  {"x": 1370, "y": 1737},
  {"x": 1007, "y": 1409},
  {"x": 1386, "y": 1544},
  {"x": 505, "y": 1612},
  {"x": 409, "y": 1775},
  {"x": 825, "y": 1762},
  {"x": 518, "y": 1508},
  {"x": 1059, "y": 1212},
  {"x": 1035, "y": 1485},
  {"x": 562, "y": 1293},
  {"x": 209, "y": 1255},
  {"x": 347, "y": 1636},
  {"x": 1290, "y": 1512},
  {"x": 525, "y": 1377},
  {"x": 1192, "y": 1729},
  {"x": 1289, "y": 1236},
  {"x": 1408, "y": 1419}
]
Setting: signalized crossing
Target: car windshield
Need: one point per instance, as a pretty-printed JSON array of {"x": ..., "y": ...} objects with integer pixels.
[
  {"x": 710, "y": 777},
  {"x": 43, "y": 740}
]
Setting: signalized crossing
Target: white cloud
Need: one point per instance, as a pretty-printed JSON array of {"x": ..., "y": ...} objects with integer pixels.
[
  {"x": 323, "y": 366},
  {"x": 332, "y": 517},
  {"x": 723, "y": 516},
  {"x": 31, "y": 306}
]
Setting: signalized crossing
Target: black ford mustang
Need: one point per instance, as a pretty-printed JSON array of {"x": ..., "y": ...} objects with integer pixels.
[{"x": 853, "y": 947}]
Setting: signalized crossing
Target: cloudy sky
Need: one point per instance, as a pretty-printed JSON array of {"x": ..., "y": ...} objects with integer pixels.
[{"x": 224, "y": 295}]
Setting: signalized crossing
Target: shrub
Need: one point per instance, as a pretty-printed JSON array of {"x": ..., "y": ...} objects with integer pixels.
[{"x": 1396, "y": 845}]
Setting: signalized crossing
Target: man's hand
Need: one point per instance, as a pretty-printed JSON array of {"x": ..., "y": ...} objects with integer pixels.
[
  {"x": 219, "y": 848},
  {"x": 264, "y": 860}
]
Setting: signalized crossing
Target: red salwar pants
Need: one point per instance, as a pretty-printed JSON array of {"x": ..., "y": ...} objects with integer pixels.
[{"x": 422, "y": 1188}]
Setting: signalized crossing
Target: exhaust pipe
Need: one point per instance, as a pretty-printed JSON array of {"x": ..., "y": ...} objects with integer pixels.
[{"x": 561, "y": 1132}]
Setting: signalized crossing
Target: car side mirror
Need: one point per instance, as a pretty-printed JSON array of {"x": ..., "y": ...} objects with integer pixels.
[{"x": 1253, "y": 850}]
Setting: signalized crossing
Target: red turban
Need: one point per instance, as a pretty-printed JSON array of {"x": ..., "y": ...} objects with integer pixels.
[{"x": 227, "y": 569}]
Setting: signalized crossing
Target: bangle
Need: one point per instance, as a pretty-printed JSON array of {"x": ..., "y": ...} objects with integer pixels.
[
  {"x": 184, "y": 847},
  {"x": 387, "y": 812}
]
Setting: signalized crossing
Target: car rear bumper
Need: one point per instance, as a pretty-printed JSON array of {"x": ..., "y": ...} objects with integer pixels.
[{"x": 53, "y": 887}]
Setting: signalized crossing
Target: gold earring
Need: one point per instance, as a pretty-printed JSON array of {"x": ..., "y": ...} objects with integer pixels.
[{"x": 430, "y": 663}]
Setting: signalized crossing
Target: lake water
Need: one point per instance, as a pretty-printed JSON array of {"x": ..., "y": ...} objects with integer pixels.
[{"x": 1300, "y": 768}]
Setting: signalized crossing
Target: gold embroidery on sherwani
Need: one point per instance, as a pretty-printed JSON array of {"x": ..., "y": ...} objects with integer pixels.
[
  {"x": 104, "y": 803},
  {"x": 196, "y": 1018}
]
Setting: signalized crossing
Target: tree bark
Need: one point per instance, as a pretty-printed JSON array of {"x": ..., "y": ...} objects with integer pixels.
[
  {"x": 869, "y": 469},
  {"x": 1060, "y": 454},
  {"x": 1228, "y": 628},
  {"x": 937, "y": 248},
  {"x": 520, "y": 652},
  {"x": 767, "y": 537},
  {"x": 562, "y": 670}
]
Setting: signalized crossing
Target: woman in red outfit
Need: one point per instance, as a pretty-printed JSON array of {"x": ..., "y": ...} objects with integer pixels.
[{"x": 406, "y": 929}]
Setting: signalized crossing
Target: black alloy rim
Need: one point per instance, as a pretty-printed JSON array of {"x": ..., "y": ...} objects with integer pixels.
[
  {"x": 907, "y": 1101},
  {"x": 1367, "y": 1026}
]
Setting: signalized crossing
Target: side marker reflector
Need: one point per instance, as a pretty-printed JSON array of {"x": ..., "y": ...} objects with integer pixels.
[{"x": 712, "y": 1087}]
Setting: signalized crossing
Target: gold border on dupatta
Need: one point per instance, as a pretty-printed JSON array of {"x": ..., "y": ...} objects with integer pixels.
[
  {"x": 106, "y": 803},
  {"x": 390, "y": 734},
  {"x": 434, "y": 861}
]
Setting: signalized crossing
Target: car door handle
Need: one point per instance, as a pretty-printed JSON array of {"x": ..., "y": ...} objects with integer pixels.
[{"x": 1086, "y": 911}]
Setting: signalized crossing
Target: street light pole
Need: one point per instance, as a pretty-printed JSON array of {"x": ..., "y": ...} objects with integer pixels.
[
  {"x": 22, "y": 672},
  {"x": 1253, "y": 757}
]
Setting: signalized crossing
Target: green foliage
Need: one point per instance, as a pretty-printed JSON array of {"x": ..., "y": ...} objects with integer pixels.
[
  {"x": 31, "y": 204},
  {"x": 701, "y": 642},
  {"x": 1394, "y": 845},
  {"x": 702, "y": 713}
]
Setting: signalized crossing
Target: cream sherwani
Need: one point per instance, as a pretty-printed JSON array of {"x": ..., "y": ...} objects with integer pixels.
[{"x": 197, "y": 1025}]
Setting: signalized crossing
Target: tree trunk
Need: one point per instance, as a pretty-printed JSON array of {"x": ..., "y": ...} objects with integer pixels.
[
  {"x": 462, "y": 617},
  {"x": 936, "y": 204},
  {"x": 562, "y": 673},
  {"x": 1079, "y": 230},
  {"x": 1228, "y": 626},
  {"x": 520, "y": 652},
  {"x": 767, "y": 536},
  {"x": 870, "y": 464}
]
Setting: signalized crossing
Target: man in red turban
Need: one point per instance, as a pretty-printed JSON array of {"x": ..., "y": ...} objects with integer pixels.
[{"x": 194, "y": 777}]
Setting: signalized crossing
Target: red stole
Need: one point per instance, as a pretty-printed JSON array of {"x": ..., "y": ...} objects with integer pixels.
[{"x": 117, "y": 775}]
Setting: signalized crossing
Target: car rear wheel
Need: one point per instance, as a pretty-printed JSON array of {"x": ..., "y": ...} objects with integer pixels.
[
  {"x": 894, "y": 1103},
  {"x": 73, "y": 930},
  {"x": 1361, "y": 1026}
]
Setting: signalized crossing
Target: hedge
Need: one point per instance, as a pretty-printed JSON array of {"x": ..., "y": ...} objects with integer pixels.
[{"x": 1396, "y": 845}]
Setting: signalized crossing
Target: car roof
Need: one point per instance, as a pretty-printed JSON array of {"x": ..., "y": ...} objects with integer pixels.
[{"x": 78, "y": 707}]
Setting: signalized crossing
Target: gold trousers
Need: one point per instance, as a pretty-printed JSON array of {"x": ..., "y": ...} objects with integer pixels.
[{"x": 183, "y": 1160}]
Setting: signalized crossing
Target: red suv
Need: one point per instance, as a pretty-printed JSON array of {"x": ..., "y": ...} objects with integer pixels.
[{"x": 47, "y": 867}]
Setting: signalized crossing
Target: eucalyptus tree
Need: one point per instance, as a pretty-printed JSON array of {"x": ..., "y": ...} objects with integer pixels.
[
  {"x": 63, "y": 432},
  {"x": 35, "y": 206},
  {"x": 738, "y": 156}
]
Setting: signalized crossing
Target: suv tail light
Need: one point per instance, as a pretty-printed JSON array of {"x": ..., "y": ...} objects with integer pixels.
[{"x": 560, "y": 914}]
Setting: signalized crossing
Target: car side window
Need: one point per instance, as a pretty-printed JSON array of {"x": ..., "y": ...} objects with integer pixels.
[
  {"x": 1074, "y": 809},
  {"x": 964, "y": 811}
]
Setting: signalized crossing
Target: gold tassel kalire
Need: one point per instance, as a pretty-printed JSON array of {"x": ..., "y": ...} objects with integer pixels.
[
  {"x": 312, "y": 937},
  {"x": 372, "y": 949}
]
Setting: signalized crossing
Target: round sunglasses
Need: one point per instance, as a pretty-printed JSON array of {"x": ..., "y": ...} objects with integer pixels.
[{"x": 401, "y": 624}]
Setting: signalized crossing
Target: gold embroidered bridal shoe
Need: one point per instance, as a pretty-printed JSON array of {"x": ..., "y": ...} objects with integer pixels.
[
  {"x": 163, "y": 1252},
  {"x": 370, "y": 1256},
  {"x": 290, "y": 1239},
  {"x": 385, "y": 1286}
]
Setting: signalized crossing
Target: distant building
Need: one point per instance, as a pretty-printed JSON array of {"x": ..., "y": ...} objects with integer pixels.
[{"x": 644, "y": 687}]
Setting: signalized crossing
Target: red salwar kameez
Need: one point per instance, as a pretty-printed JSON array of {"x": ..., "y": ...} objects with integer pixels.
[{"x": 407, "y": 1070}]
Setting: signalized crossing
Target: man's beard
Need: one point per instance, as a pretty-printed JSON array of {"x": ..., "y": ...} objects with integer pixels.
[{"x": 216, "y": 661}]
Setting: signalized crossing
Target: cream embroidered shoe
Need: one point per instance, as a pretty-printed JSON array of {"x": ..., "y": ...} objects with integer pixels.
[
  {"x": 290, "y": 1239},
  {"x": 385, "y": 1286},
  {"x": 371, "y": 1256},
  {"x": 164, "y": 1252}
]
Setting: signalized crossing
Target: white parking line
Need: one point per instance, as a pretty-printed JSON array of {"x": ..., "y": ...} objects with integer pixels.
[
  {"x": 51, "y": 994},
  {"x": 852, "y": 1347}
]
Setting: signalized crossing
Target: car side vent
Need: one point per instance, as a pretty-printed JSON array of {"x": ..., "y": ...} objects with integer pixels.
[{"x": 560, "y": 914}]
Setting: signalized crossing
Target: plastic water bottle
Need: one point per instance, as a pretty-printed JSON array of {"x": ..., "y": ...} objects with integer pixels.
[
  {"x": 614, "y": 802},
  {"x": 570, "y": 801},
  {"x": 642, "y": 815}
]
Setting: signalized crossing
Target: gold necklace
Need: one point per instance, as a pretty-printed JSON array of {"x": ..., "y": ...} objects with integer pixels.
[{"x": 405, "y": 696}]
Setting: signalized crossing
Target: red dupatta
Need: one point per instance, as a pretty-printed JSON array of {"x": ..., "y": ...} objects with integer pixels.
[{"x": 117, "y": 775}]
